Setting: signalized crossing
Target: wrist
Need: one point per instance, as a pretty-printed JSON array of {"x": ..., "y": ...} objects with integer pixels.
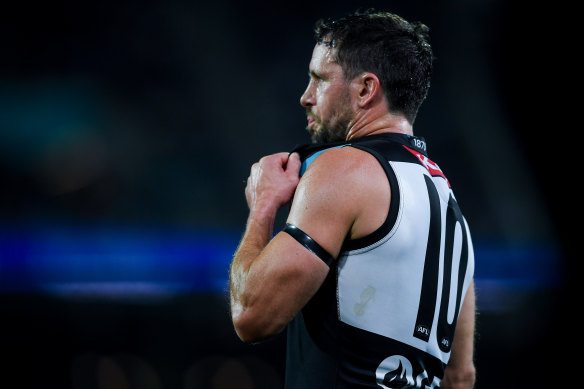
[
  {"x": 262, "y": 212},
  {"x": 260, "y": 223}
]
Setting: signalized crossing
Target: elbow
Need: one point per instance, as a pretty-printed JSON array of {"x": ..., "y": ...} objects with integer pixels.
[
  {"x": 254, "y": 328},
  {"x": 460, "y": 378},
  {"x": 467, "y": 379}
]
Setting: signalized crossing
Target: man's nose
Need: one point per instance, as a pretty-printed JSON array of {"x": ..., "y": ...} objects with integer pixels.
[{"x": 307, "y": 99}]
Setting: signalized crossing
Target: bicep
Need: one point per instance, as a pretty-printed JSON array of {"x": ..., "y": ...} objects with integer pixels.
[
  {"x": 327, "y": 201},
  {"x": 279, "y": 283}
]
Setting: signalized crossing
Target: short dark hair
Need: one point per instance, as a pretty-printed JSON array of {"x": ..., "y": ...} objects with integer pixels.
[{"x": 398, "y": 52}]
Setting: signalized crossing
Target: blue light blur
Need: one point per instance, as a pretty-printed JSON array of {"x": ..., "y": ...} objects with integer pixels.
[
  {"x": 67, "y": 258},
  {"x": 152, "y": 263}
]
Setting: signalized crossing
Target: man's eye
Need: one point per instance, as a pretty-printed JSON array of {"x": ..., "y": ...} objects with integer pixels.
[{"x": 314, "y": 77}]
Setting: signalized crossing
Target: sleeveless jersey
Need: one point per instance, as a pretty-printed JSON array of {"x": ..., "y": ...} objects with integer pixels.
[{"x": 386, "y": 313}]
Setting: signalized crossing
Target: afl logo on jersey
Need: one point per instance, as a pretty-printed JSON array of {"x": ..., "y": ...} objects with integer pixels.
[
  {"x": 422, "y": 332},
  {"x": 396, "y": 372}
]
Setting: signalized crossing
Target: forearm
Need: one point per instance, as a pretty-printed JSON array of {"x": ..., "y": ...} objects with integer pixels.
[
  {"x": 259, "y": 229},
  {"x": 249, "y": 279},
  {"x": 252, "y": 279}
]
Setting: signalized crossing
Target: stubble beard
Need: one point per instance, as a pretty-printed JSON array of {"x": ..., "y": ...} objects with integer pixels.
[
  {"x": 334, "y": 131},
  {"x": 328, "y": 134}
]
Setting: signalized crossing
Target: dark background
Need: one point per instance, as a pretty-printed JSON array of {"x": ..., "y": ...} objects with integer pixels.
[{"x": 127, "y": 130}]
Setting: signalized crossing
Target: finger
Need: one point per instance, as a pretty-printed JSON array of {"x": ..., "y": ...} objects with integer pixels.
[{"x": 278, "y": 159}]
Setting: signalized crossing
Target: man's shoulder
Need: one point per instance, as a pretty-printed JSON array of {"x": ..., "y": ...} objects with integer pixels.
[
  {"x": 346, "y": 177},
  {"x": 352, "y": 184},
  {"x": 345, "y": 161}
]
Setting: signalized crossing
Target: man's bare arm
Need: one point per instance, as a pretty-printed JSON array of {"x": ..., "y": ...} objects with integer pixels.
[
  {"x": 460, "y": 372},
  {"x": 270, "y": 279}
]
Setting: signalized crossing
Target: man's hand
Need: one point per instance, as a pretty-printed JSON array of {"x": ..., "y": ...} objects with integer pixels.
[{"x": 272, "y": 182}]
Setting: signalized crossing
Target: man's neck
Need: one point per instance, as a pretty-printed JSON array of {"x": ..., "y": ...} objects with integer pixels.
[{"x": 369, "y": 124}]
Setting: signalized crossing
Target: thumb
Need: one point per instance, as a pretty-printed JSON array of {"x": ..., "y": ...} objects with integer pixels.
[{"x": 294, "y": 164}]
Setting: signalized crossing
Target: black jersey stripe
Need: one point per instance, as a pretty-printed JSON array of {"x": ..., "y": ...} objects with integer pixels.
[
  {"x": 386, "y": 227},
  {"x": 427, "y": 305}
]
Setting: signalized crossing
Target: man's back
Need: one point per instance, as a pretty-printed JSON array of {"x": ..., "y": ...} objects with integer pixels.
[{"x": 385, "y": 315}]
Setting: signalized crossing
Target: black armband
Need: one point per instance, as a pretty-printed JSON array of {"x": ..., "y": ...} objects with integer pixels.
[{"x": 309, "y": 243}]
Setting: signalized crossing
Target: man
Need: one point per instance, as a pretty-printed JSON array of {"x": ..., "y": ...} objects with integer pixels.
[{"x": 373, "y": 271}]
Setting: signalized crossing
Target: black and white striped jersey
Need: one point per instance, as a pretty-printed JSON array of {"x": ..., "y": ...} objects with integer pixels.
[{"x": 386, "y": 314}]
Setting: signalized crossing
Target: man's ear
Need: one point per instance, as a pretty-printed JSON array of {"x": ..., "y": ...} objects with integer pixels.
[{"x": 366, "y": 87}]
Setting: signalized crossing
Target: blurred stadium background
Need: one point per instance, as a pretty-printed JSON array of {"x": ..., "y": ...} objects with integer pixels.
[{"x": 127, "y": 130}]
